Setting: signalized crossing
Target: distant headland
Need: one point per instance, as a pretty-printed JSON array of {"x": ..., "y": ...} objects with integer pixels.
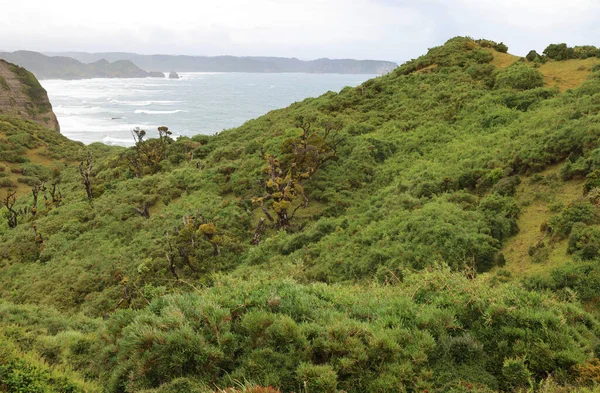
[
  {"x": 62, "y": 67},
  {"x": 237, "y": 64}
]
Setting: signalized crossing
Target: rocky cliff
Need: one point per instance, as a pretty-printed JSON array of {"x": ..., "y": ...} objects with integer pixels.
[{"x": 21, "y": 94}]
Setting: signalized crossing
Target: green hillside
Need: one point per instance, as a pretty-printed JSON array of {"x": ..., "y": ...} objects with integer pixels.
[{"x": 435, "y": 229}]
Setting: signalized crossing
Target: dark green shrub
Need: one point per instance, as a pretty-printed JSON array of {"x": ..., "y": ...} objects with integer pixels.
[
  {"x": 507, "y": 186},
  {"x": 501, "y": 47},
  {"x": 584, "y": 241},
  {"x": 465, "y": 349},
  {"x": 532, "y": 55},
  {"x": 559, "y": 52},
  {"x": 501, "y": 213},
  {"x": 317, "y": 379},
  {"x": 582, "y": 212},
  {"x": 520, "y": 77},
  {"x": 515, "y": 374},
  {"x": 586, "y": 51}
]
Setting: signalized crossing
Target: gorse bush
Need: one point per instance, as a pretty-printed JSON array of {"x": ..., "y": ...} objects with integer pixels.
[
  {"x": 519, "y": 77},
  {"x": 532, "y": 55},
  {"x": 559, "y": 52},
  {"x": 564, "y": 52},
  {"x": 329, "y": 338}
]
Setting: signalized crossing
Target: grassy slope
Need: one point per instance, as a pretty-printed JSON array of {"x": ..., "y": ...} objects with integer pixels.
[
  {"x": 567, "y": 74},
  {"x": 537, "y": 199},
  {"x": 407, "y": 139},
  {"x": 421, "y": 182},
  {"x": 26, "y": 144}
]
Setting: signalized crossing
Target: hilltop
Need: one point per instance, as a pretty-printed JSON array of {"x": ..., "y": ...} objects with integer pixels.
[
  {"x": 239, "y": 64},
  {"x": 434, "y": 229},
  {"x": 60, "y": 67}
]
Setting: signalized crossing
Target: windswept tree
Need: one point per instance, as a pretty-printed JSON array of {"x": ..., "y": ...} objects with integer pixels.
[
  {"x": 35, "y": 191},
  {"x": 147, "y": 154},
  {"x": 54, "y": 189},
  {"x": 85, "y": 171},
  {"x": 301, "y": 158},
  {"x": 187, "y": 245},
  {"x": 9, "y": 202}
]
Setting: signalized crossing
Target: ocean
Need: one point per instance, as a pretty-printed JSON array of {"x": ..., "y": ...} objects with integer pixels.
[{"x": 106, "y": 110}]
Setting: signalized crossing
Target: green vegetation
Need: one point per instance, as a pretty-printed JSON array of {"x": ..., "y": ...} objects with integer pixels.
[
  {"x": 30, "y": 152},
  {"x": 434, "y": 229},
  {"x": 563, "y": 52}
]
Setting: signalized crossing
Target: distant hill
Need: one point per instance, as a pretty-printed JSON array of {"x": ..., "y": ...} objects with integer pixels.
[
  {"x": 238, "y": 64},
  {"x": 22, "y": 95},
  {"x": 61, "y": 67}
]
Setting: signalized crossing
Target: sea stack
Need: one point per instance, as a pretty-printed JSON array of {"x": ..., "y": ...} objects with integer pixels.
[{"x": 173, "y": 75}]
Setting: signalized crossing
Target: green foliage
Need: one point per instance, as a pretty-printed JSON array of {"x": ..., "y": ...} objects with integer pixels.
[
  {"x": 579, "y": 212},
  {"x": 586, "y": 51},
  {"x": 563, "y": 52},
  {"x": 501, "y": 47},
  {"x": 520, "y": 77},
  {"x": 327, "y": 337},
  {"x": 26, "y": 372},
  {"x": 385, "y": 251},
  {"x": 516, "y": 375},
  {"x": 585, "y": 241},
  {"x": 559, "y": 52},
  {"x": 532, "y": 55}
]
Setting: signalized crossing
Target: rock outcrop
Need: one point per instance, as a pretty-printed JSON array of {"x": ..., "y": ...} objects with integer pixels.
[
  {"x": 173, "y": 75},
  {"x": 22, "y": 95}
]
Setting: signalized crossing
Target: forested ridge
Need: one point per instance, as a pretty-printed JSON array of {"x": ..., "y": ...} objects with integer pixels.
[{"x": 435, "y": 229}]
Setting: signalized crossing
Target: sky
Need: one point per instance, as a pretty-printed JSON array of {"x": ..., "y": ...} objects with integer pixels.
[{"x": 395, "y": 30}]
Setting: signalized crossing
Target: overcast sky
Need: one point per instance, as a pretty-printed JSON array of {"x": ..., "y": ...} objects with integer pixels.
[{"x": 394, "y": 30}]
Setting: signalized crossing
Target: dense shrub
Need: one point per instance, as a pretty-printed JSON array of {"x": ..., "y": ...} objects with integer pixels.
[
  {"x": 584, "y": 241},
  {"x": 532, "y": 55},
  {"x": 501, "y": 47},
  {"x": 578, "y": 212},
  {"x": 520, "y": 77},
  {"x": 583, "y": 52},
  {"x": 559, "y": 52},
  {"x": 328, "y": 338}
]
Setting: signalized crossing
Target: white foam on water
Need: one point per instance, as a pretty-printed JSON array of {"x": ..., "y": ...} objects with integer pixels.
[
  {"x": 78, "y": 110},
  {"x": 106, "y": 110},
  {"x": 142, "y": 103},
  {"x": 147, "y": 112},
  {"x": 108, "y": 140}
]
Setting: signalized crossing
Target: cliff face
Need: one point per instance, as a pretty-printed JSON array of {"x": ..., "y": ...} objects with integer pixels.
[{"x": 21, "y": 94}]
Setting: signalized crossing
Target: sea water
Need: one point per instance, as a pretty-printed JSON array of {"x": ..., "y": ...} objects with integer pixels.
[{"x": 106, "y": 110}]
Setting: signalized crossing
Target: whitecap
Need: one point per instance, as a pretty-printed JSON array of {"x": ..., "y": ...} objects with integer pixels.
[
  {"x": 143, "y": 103},
  {"x": 77, "y": 110},
  {"x": 108, "y": 140},
  {"x": 158, "y": 112}
]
